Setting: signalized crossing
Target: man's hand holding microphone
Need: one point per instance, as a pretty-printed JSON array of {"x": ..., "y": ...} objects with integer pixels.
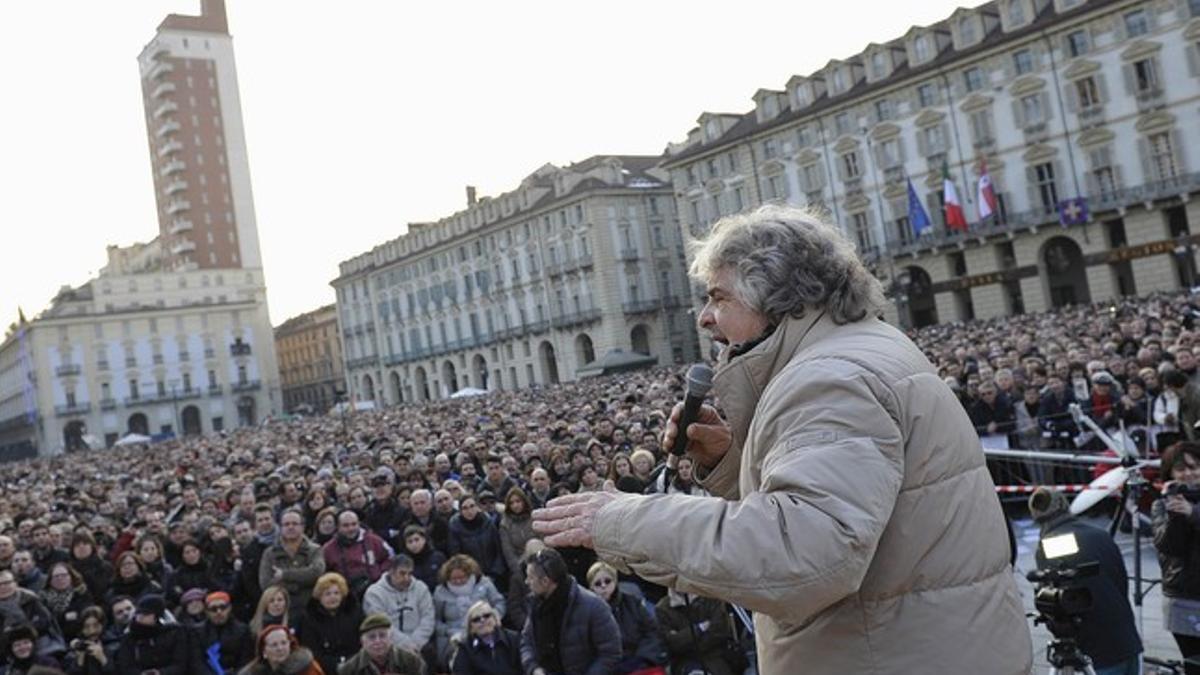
[{"x": 569, "y": 520}]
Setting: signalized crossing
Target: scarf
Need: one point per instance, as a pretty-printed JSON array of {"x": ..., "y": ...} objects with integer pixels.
[
  {"x": 547, "y": 627},
  {"x": 58, "y": 601}
]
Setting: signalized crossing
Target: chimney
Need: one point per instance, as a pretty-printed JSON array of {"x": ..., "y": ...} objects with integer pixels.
[{"x": 471, "y": 196}]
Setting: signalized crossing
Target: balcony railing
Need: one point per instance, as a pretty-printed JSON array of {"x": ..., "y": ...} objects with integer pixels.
[
  {"x": 135, "y": 400},
  {"x": 175, "y": 186},
  {"x": 183, "y": 246},
  {"x": 180, "y": 225},
  {"x": 101, "y": 364},
  {"x": 130, "y": 362},
  {"x": 537, "y": 327},
  {"x": 248, "y": 385},
  {"x": 177, "y": 205},
  {"x": 1149, "y": 99},
  {"x": 163, "y": 89},
  {"x": 108, "y": 403},
  {"x": 161, "y": 68},
  {"x": 239, "y": 349},
  {"x": 1091, "y": 116},
  {"x": 157, "y": 359},
  {"x": 170, "y": 147},
  {"x": 215, "y": 390},
  {"x": 164, "y": 108},
  {"x": 628, "y": 254},
  {"x": 173, "y": 166},
  {"x": 576, "y": 318},
  {"x": 68, "y": 369},
  {"x": 184, "y": 355},
  {"x": 1037, "y": 132},
  {"x": 584, "y": 261},
  {"x": 77, "y": 409},
  {"x": 641, "y": 306},
  {"x": 166, "y": 128},
  {"x": 1109, "y": 200}
]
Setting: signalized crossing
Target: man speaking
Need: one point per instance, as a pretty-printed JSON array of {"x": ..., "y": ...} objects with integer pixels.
[{"x": 854, "y": 511}]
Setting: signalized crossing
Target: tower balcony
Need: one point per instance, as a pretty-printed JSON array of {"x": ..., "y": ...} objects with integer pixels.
[
  {"x": 173, "y": 166},
  {"x": 182, "y": 246},
  {"x": 164, "y": 108},
  {"x": 166, "y": 128},
  {"x": 161, "y": 68},
  {"x": 171, "y": 146},
  {"x": 162, "y": 90},
  {"x": 175, "y": 186},
  {"x": 180, "y": 225},
  {"x": 177, "y": 205}
]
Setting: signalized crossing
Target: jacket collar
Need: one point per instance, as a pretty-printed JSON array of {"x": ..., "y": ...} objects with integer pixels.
[{"x": 739, "y": 383}]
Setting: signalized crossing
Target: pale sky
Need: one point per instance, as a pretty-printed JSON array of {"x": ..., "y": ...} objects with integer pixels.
[{"x": 364, "y": 115}]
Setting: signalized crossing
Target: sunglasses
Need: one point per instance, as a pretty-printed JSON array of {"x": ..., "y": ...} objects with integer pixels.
[
  {"x": 480, "y": 618},
  {"x": 601, "y": 583},
  {"x": 218, "y": 608}
]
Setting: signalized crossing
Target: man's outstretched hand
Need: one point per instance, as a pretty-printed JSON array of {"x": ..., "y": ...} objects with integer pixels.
[{"x": 568, "y": 520}]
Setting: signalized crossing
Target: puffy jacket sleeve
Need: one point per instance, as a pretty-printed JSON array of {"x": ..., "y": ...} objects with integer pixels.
[
  {"x": 831, "y": 469},
  {"x": 424, "y": 629},
  {"x": 606, "y": 636},
  {"x": 493, "y": 596},
  {"x": 1173, "y": 533}
]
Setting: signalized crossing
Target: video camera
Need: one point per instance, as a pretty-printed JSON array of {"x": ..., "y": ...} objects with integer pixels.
[{"x": 1060, "y": 599}]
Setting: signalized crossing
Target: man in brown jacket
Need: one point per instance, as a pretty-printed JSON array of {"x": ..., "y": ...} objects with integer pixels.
[{"x": 854, "y": 511}]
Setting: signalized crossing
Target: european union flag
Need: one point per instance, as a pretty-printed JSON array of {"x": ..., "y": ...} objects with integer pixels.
[{"x": 918, "y": 218}]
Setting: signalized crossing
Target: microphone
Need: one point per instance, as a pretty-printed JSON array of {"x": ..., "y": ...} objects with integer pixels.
[{"x": 699, "y": 381}]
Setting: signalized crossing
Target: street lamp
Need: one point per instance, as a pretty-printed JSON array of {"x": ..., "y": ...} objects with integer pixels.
[{"x": 175, "y": 408}]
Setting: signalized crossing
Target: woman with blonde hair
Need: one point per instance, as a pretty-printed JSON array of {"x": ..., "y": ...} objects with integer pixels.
[
  {"x": 640, "y": 643},
  {"x": 643, "y": 464},
  {"x": 329, "y": 623},
  {"x": 272, "y": 609},
  {"x": 461, "y": 584},
  {"x": 487, "y": 648}
]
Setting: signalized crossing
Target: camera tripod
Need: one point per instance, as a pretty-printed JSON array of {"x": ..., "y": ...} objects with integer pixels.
[{"x": 1066, "y": 658}]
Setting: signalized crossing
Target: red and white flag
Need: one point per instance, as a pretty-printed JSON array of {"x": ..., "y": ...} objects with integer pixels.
[
  {"x": 985, "y": 195},
  {"x": 955, "y": 218}
]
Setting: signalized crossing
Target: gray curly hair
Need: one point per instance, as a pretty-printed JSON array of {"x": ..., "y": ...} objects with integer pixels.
[{"x": 786, "y": 259}]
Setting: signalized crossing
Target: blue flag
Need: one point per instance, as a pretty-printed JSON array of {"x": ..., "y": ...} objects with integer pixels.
[{"x": 918, "y": 218}]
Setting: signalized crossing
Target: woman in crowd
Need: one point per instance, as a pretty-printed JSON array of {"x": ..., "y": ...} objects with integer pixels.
[
  {"x": 272, "y": 609},
  {"x": 194, "y": 572},
  {"x": 131, "y": 579},
  {"x": 278, "y": 653},
  {"x": 358, "y": 502},
  {"x": 97, "y": 573},
  {"x": 487, "y": 648},
  {"x": 326, "y": 525},
  {"x": 329, "y": 623},
  {"x": 640, "y": 643},
  {"x": 643, "y": 464},
  {"x": 462, "y": 584},
  {"x": 1177, "y": 540},
  {"x": 150, "y": 552},
  {"x": 314, "y": 502},
  {"x": 474, "y": 534},
  {"x": 66, "y": 596},
  {"x": 20, "y": 656},
  {"x": 516, "y": 530},
  {"x": 89, "y": 654}
]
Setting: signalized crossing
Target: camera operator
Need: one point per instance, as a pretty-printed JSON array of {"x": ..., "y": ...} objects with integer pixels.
[
  {"x": 1177, "y": 539},
  {"x": 1107, "y": 633}
]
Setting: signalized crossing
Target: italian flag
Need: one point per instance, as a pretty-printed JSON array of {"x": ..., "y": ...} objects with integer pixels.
[{"x": 955, "y": 218}]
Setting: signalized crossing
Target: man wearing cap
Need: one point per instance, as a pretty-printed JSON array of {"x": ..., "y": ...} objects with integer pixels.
[
  {"x": 225, "y": 642},
  {"x": 153, "y": 645},
  {"x": 385, "y": 516},
  {"x": 379, "y": 653},
  {"x": 406, "y": 601}
]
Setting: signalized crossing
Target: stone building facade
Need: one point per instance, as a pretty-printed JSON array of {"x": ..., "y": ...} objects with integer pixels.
[{"x": 310, "y": 361}]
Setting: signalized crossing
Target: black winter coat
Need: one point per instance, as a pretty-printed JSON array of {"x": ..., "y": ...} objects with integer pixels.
[
  {"x": 639, "y": 631},
  {"x": 163, "y": 647},
  {"x": 187, "y": 577},
  {"x": 1177, "y": 539},
  {"x": 333, "y": 638},
  {"x": 134, "y": 588},
  {"x": 427, "y": 564},
  {"x": 231, "y": 644},
  {"x": 479, "y": 539},
  {"x": 475, "y": 657},
  {"x": 97, "y": 573}
]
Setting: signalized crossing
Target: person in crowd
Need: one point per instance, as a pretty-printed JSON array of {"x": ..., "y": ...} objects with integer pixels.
[
  {"x": 406, "y": 602},
  {"x": 274, "y": 608},
  {"x": 325, "y": 526},
  {"x": 496, "y": 479},
  {"x": 1166, "y": 417},
  {"x": 329, "y": 623},
  {"x": 379, "y": 652},
  {"x": 487, "y": 648},
  {"x": 475, "y": 535},
  {"x": 66, "y": 596},
  {"x": 247, "y": 586},
  {"x": 293, "y": 562},
  {"x": 385, "y": 516},
  {"x": 1054, "y": 412},
  {"x": 153, "y": 642},
  {"x": 698, "y": 634},
  {"x": 193, "y": 572},
  {"x": 121, "y": 609},
  {"x": 682, "y": 480},
  {"x": 445, "y": 506},
  {"x": 461, "y": 584},
  {"x": 359, "y": 555},
  {"x": 539, "y": 483},
  {"x": 1177, "y": 539},
  {"x": 29, "y": 575},
  {"x": 225, "y": 644},
  {"x": 640, "y": 644},
  {"x": 992, "y": 413},
  {"x": 569, "y": 630},
  {"x": 421, "y": 512},
  {"x": 20, "y": 655},
  {"x": 427, "y": 560},
  {"x": 89, "y": 652},
  {"x": 1188, "y": 395},
  {"x": 823, "y": 405},
  {"x": 44, "y": 549},
  {"x": 315, "y": 501},
  {"x": 516, "y": 529},
  {"x": 190, "y": 613},
  {"x": 8, "y": 548},
  {"x": 130, "y": 579},
  {"x": 277, "y": 652},
  {"x": 643, "y": 465},
  {"x": 19, "y": 606},
  {"x": 96, "y": 572},
  {"x": 1107, "y": 632},
  {"x": 149, "y": 550}
]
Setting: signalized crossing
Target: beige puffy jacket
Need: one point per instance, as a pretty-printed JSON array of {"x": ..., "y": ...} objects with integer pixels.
[{"x": 858, "y": 520}]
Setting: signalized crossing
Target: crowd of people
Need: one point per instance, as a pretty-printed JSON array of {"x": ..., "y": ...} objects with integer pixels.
[
  {"x": 1130, "y": 365},
  {"x": 400, "y": 540},
  {"x": 390, "y": 541}
]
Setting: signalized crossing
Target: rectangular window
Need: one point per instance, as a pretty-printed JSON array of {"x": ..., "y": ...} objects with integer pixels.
[
  {"x": 850, "y": 169},
  {"x": 981, "y": 126},
  {"x": 1087, "y": 93},
  {"x": 878, "y": 65},
  {"x": 1031, "y": 110},
  {"x": 921, "y": 49},
  {"x": 1103, "y": 178},
  {"x": 862, "y": 232},
  {"x": 842, "y": 122},
  {"x": 1016, "y": 13},
  {"x": 1145, "y": 76},
  {"x": 973, "y": 79},
  {"x": 926, "y": 95},
  {"x": 1078, "y": 42},
  {"x": 1047, "y": 191},
  {"x": 1023, "y": 61},
  {"x": 889, "y": 153},
  {"x": 935, "y": 140},
  {"x": 883, "y": 110},
  {"x": 1136, "y": 23},
  {"x": 1162, "y": 156},
  {"x": 811, "y": 175},
  {"x": 966, "y": 30}
]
